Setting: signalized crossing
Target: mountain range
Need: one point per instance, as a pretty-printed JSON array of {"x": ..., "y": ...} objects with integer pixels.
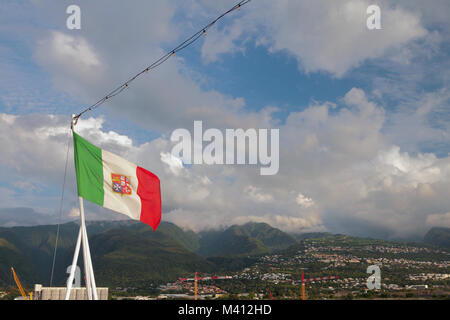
[
  {"x": 129, "y": 253},
  {"x": 438, "y": 236}
]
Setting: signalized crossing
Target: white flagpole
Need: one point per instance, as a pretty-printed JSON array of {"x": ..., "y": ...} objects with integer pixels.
[
  {"x": 91, "y": 288},
  {"x": 91, "y": 269},
  {"x": 87, "y": 268},
  {"x": 74, "y": 266}
]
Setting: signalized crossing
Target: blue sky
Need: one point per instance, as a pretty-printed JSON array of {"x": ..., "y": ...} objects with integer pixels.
[
  {"x": 363, "y": 109},
  {"x": 260, "y": 77}
]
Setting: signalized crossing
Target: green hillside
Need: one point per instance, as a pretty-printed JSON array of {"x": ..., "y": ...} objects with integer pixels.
[
  {"x": 11, "y": 256},
  {"x": 248, "y": 239},
  {"x": 123, "y": 253},
  {"x": 271, "y": 238},
  {"x": 129, "y": 252},
  {"x": 132, "y": 257},
  {"x": 438, "y": 236},
  {"x": 312, "y": 235},
  {"x": 233, "y": 241},
  {"x": 34, "y": 252}
]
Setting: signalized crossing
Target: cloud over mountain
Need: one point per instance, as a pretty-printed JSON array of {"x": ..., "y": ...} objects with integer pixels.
[{"x": 373, "y": 159}]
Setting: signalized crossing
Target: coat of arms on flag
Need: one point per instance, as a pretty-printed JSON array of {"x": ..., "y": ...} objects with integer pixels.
[{"x": 121, "y": 184}]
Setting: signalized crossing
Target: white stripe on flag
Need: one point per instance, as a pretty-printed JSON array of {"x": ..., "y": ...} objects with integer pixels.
[{"x": 123, "y": 203}]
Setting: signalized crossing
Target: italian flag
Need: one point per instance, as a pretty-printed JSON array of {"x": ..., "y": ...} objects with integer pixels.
[{"x": 114, "y": 183}]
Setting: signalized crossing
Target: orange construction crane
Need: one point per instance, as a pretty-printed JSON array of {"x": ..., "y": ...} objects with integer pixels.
[
  {"x": 19, "y": 285},
  {"x": 304, "y": 281},
  {"x": 197, "y": 278},
  {"x": 195, "y": 287},
  {"x": 303, "y": 287}
]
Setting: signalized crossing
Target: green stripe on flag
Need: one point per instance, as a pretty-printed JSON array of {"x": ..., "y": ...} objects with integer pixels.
[{"x": 89, "y": 170}]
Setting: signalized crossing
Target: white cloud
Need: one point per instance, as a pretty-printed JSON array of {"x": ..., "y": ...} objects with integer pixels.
[
  {"x": 323, "y": 35},
  {"x": 304, "y": 201},
  {"x": 295, "y": 224},
  {"x": 91, "y": 60},
  {"x": 341, "y": 160},
  {"x": 407, "y": 170},
  {"x": 345, "y": 155},
  {"x": 74, "y": 212},
  {"x": 71, "y": 59},
  {"x": 256, "y": 195},
  {"x": 175, "y": 164},
  {"x": 439, "y": 220},
  {"x": 222, "y": 41},
  {"x": 92, "y": 127}
]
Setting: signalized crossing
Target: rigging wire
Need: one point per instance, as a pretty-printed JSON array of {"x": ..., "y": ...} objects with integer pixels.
[
  {"x": 161, "y": 60},
  {"x": 60, "y": 208},
  {"x": 186, "y": 43}
]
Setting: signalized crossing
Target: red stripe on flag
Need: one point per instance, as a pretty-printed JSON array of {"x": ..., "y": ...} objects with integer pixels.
[{"x": 149, "y": 191}]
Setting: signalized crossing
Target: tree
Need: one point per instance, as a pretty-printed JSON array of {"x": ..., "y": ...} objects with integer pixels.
[{"x": 349, "y": 297}]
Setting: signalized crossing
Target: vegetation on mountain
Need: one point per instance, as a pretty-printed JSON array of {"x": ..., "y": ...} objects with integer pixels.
[
  {"x": 438, "y": 236},
  {"x": 129, "y": 253}
]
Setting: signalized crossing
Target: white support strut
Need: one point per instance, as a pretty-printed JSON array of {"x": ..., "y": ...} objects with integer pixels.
[
  {"x": 91, "y": 288},
  {"x": 86, "y": 254},
  {"x": 91, "y": 269},
  {"x": 74, "y": 266}
]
